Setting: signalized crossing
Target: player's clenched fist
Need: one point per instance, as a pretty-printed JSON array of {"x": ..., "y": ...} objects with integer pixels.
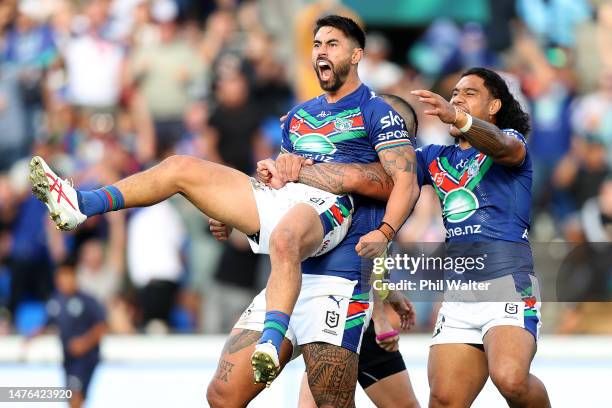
[
  {"x": 267, "y": 173},
  {"x": 289, "y": 165}
]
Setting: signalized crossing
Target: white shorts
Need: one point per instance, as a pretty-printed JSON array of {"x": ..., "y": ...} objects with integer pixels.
[
  {"x": 326, "y": 311},
  {"x": 468, "y": 321},
  {"x": 335, "y": 212}
]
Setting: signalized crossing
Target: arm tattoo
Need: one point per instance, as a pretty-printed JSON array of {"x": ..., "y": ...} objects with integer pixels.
[
  {"x": 331, "y": 177},
  {"x": 328, "y": 177},
  {"x": 332, "y": 374},
  {"x": 398, "y": 160},
  {"x": 486, "y": 138}
]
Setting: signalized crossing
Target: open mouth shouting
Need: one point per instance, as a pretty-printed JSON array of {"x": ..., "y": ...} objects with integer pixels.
[{"x": 324, "y": 68}]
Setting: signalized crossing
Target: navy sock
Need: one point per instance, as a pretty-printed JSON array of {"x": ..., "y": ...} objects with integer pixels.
[
  {"x": 275, "y": 327},
  {"x": 99, "y": 201}
]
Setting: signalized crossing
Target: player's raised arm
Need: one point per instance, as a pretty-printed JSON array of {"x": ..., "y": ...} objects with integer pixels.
[
  {"x": 482, "y": 115},
  {"x": 401, "y": 165}
]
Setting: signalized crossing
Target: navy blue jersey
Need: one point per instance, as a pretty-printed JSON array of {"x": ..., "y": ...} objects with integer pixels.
[
  {"x": 481, "y": 200},
  {"x": 485, "y": 205},
  {"x": 352, "y": 130},
  {"x": 74, "y": 316}
]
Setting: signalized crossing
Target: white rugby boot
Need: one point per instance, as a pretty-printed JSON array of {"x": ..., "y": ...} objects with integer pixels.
[{"x": 58, "y": 195}]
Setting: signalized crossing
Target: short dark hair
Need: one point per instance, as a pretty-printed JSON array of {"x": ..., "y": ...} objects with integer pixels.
[
  {"x": 405, "y": 110},
  {"x": 348, "y": 26},
  {"x": 511, "y": 115}
]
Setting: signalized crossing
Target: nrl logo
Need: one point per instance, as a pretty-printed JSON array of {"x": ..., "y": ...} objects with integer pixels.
[
  {"x": 343, "y": 124},
  {"x": 332, "y": 319}
]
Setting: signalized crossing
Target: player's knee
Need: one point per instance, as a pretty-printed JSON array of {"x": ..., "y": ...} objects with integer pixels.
[
  {"x": 439, "y": 397},
  {"x": 180, "y": 167},
  {"x": 217, "y": 396},
  {"x": 511, "y": 382},
  {"x": 284, "y": 243}
]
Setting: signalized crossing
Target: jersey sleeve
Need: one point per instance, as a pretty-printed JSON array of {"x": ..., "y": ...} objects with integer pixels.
[
  {"x": 423, "y": 177},
  {"x": 291, "y": 122},
  {"x": 519, "y": 136},
  {"x": 515, "y": 134},
  {"x": 386, "y": 128}
]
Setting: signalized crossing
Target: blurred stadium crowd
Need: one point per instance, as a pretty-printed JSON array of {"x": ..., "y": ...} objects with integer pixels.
[{"x": 104, "y": 88}]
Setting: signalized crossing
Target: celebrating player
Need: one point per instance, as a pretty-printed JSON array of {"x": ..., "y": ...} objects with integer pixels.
[
  {"x": 347, "y": 124},
  {"x": 380, "y": 370}
]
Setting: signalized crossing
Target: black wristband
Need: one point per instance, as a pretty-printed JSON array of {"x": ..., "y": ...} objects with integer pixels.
[{"x": 387, "y": 230}]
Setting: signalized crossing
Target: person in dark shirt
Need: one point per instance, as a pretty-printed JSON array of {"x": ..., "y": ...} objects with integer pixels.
[{"x": 81, "y": 323}]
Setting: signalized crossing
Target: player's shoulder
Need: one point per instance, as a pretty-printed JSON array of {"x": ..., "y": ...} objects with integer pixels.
[
  {"x": 298, "y": 112},
  {"x": 374, "y": 103},
  {"x": 516, "y": 134},
  {"x": 432, "y": 149},
  {"x": 380, "y": 114}
]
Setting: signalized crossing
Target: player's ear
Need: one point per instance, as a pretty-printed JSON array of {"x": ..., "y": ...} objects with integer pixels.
[
  {"x": 494, "y": 106},
  {"x": 357, "y": 55}
]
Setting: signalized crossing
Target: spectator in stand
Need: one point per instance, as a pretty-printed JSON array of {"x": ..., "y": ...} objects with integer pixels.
[
  {"x": 551, "y": 95},
  {"x": 155, "y": 262},
  {"x": 30, "y": 257},
  {"x": 375, "y": 70},
  {"x": 592, "y": 118},
  {"x": 100, "y": 269},
  {"x": 163, "y": 73},
  {"x": 93, "y": 59},
  {"x": 14, "y": 139},
  {"x": 30, "y": 49}
]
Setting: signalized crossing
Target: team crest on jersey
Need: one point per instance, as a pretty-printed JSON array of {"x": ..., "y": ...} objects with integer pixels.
[
  {"x": 455, "y": 188},
  {"x": 320, "y": 136},
  {"x": 343, "y": 125},
  {"x": 473, "y": 169}
]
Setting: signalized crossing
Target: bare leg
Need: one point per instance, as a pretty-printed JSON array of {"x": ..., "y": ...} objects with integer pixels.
[
  {"x": 332, "y": 374},
  {"x": 456, "y": 373},
  {"x": 306, "y": 399},
  {"x": 232, "y": 385},
  {"x": 394, "y": 391},
  {"x": 219, "y": 191},
  {"x": 77, "y": 400},
  {"x": 298, "y": 234},
  {"x": 509, "y": 351}
]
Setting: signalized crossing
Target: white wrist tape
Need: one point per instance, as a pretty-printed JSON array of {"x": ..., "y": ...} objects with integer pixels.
[{"x": 468, "y": 125}]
